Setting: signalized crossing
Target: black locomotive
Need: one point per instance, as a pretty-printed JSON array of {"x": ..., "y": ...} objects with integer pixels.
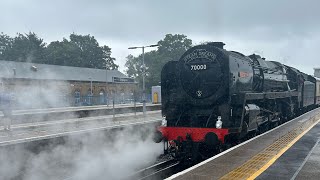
[{"x": 212, "y": 98}]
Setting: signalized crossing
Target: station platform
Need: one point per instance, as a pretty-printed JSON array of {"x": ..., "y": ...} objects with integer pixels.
[
  {"x": 28, "y": 132},
  {"x": 289, "y": 151},
  {"x": 77, "y": 108},
  {"x": 300, "y": 161},
  {"x": 49, "y": 114}
]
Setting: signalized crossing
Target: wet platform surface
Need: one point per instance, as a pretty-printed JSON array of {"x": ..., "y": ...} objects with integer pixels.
[
  {"x": 28, "y": 132},
  {"x": 278, "y": 154},
  {"x": 300, "y": 161},
  {"x": 311, "y": 167}
]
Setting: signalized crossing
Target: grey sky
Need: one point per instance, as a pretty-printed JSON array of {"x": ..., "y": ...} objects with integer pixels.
[{"x": 282, "y": 30}]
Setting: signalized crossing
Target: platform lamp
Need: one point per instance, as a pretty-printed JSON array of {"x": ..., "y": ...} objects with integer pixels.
[
  {"x": 108, "y": 53},
  {"x": 143, "y": 76}
]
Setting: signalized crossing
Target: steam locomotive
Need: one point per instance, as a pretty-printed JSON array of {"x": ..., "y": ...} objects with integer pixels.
[{"x": 213, "y": 98}]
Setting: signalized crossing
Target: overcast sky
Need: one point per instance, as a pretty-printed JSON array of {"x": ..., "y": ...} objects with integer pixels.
[{"x": 283, "y": 30}]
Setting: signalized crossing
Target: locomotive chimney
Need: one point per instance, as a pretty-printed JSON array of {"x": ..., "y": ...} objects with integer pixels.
[{"x": 217, "y": 44}]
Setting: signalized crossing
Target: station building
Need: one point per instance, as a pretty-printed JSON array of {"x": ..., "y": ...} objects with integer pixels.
[{"x": 60, "y": 84}]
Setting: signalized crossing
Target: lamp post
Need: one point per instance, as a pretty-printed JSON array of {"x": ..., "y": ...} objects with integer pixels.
[
  {"x": 105, "y": 93},
  {"x": 108, "y": 53},
  {"x": 143, "y": 76},
  {"x": 90, "y": 95},
  {"x": 90, "y": 87}
]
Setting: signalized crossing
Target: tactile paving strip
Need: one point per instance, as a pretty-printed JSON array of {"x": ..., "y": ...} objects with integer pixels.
[{"x": 253, "y": 167}]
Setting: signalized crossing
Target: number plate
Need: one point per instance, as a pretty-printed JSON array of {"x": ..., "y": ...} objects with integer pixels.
[{"x": 198, "y": 67}]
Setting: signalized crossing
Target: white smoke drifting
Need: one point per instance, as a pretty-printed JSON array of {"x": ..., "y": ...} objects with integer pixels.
[
  {"x": 99, "y": 155},
  {"x": 96, "y": 155},
  {"x": 42, "y": 95}
]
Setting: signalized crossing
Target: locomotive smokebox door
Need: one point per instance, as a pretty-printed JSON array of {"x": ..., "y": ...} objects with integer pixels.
[{"x": 201, "y": 72}]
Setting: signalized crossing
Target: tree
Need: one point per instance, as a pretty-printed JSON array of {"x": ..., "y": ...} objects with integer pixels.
[
  {"x": 24, "y": 48},
  {"x": 170, "y": 48},
  {"x": 5, "y": 43},
  {"x": 134, "y": 66},
  {"x": 90, "y": 52},
  {"x": 108, "y": 59},
  {"x": 80, "y": 51},
  {"x": 63, "y": 53},
  {"x": 173, "y": 46}
]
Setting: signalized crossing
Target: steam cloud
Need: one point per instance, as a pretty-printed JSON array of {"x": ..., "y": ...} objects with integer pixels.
[{"x": 96, "y": 155}]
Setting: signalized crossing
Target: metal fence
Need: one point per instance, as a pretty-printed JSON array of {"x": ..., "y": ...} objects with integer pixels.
[{"x": 107, "y": 100}]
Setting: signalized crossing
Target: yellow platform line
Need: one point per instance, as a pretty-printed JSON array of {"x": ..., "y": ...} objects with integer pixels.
[
  {"x": 267, "y": 165},
  {"x": 258, "y": 167}
]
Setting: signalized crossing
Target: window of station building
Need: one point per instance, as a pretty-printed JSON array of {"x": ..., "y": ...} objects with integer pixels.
[
  {"x": 102, "y": 97},
  {"x": 122, "y": 97},
  {"x": 113, "y": 96},
  {"x": 89, "y": 92},
  {"x": 132, "y": 97},
  {"x": 77, "y": 96},
  {"x": 88, "y": 99}
]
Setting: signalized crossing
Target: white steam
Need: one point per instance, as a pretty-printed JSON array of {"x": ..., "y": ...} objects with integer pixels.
[
  {"x": 96, "y": 155},
  {"x": 99, "y": 155},
  {"x": 40, "y": 95}
]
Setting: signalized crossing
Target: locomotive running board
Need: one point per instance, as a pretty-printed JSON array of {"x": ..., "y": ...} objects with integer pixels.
[{"x": 270, "y": 95}]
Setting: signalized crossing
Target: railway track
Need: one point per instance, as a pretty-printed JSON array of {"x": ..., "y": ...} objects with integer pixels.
[{"x": 157, "y": 171}]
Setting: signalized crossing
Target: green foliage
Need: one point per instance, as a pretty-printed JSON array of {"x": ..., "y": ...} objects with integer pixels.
[
  {"x": 170, "y": 48},
  {"x": 108, "y": 59},
  {"x": 173, "y": 46},
  {"x": 80, "y": 51},
  {"x": 63, "y": 53},
  {"x": 24, "y": 47},
  {"x": 5, "y": 44}
]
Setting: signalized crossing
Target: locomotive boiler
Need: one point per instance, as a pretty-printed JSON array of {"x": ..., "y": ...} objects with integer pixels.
[{"x": 213, "y": 98}]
